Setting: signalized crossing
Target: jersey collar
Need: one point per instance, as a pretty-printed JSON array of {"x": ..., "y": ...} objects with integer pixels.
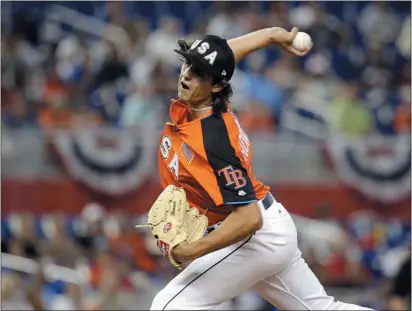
[{"x": 178, "y": 111}]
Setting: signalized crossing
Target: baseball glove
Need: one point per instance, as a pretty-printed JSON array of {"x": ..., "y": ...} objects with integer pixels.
[{"x": 172, "y": 221}]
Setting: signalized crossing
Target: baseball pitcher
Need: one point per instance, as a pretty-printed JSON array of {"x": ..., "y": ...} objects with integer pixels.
[{"x": 214, "y": 217}]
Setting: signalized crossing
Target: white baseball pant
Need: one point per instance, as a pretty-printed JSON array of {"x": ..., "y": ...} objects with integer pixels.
[{"x": 268, "y": 262}]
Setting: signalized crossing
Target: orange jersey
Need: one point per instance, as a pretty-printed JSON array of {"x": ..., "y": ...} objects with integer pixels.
[{"x": 211, "y": 159}]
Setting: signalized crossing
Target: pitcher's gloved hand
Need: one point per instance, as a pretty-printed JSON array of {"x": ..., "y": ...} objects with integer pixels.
[{"x": 172, "y": 221}]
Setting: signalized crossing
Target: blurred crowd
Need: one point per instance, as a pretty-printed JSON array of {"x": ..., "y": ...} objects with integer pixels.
[
  {"x": 118, "y": 265},
  {"x": 122, "y": 268},
  {"x": 90, "y": 64},
  {"x": 112, "y": 64}
]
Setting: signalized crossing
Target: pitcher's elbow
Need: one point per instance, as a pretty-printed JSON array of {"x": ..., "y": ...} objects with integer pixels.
[{"x": 257, "y": 222}]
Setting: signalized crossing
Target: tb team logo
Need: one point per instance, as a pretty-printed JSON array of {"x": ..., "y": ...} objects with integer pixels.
[{"x": 233, "y": 177}]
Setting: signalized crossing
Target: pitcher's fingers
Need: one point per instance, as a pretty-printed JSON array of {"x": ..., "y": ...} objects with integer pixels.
[
  {"x": 293, "y": 33},
  {"x": 296, "y": 52}
]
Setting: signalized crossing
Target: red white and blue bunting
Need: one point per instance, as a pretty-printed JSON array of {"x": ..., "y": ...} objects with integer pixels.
[
  {"x": 379, "y": 167},
  {"x": 110, "y": 161}
]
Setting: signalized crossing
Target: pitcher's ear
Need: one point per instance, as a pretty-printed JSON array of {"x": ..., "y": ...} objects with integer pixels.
[{"x": 217, "y": 87}]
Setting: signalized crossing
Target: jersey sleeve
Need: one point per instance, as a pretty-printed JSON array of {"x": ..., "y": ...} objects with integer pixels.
[{"x": 234, "y": 186}]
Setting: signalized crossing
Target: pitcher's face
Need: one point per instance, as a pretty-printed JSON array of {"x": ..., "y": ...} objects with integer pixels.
[{"x": 194, "y": 86}]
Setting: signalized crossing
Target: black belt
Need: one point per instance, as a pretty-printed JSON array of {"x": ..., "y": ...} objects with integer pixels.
[{"x": 268, "y": 201}]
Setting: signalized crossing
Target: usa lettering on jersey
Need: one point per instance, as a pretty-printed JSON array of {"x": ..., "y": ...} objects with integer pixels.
[{"x": 165, "y": 147}]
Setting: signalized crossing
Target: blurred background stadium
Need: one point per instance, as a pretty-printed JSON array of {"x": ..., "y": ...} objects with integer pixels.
[{"x": 85, "y": 88}]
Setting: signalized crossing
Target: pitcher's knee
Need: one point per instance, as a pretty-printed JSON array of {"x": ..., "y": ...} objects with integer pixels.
[
  {"x": 160, "y": 301},
  {"x": 166, "y": 300}
]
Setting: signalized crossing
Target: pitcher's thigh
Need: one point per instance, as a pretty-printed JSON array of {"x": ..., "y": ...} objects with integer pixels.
[
  {"x": 297, "y": 288},
  {"x": 210, "y": 281}
]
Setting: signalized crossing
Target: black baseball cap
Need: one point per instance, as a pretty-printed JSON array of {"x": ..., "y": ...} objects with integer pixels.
[{"x": 212, "y": 55}]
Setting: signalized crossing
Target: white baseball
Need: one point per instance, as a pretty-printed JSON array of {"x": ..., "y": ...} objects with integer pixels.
[{"x": 302, "y": 41}]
